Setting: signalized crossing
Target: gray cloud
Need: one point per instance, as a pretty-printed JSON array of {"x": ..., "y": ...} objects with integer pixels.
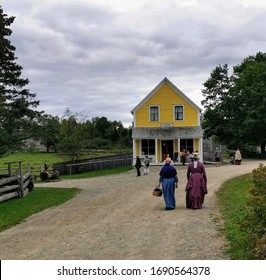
[{"x": 103, "y": 57}]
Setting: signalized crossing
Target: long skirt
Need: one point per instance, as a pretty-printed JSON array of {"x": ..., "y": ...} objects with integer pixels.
[
  {"x": 196, "y": 188},
  {"x": 168, "y": 186}
]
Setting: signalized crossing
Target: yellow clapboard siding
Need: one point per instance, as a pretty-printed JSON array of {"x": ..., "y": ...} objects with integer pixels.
[
  {"x": 196, "y": 144},
  {"x": 166, "y": 98}
]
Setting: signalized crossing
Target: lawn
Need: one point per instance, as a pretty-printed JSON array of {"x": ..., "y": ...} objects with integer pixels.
[
  {"x": 233, "y": 197},
  {"x": 16, "y": 210},
  {"x": 97, "y": 173},
  {"x": 35, "y": 159}
]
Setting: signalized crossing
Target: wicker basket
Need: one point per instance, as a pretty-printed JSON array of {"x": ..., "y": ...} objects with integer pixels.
[{"x": 157, "y": 192}]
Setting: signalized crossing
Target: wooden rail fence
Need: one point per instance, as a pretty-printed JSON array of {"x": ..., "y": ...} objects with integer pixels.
[
  {"x": 99, "y": 165},
  {"x": 17, "y": 185}
]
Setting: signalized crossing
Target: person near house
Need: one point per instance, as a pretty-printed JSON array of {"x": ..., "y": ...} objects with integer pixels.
[
  {"x": 196, "y": 187},
  {"x": 238, "y": 157},
  {"x": 188, "y": 155},
  {"x": 183, "y": 156},
  {"x": 146, "y": 165},
  {"x": 169, "y": 180},
  {"x": 138, "y": 165},
  {"x": 197, "y": 156},
  {"x": 217, "y": 156},
  {"x": 232, "y": 158}
]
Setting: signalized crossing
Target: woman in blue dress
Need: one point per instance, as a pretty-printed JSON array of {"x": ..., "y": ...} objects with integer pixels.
[{"x": 169, "y": 180}]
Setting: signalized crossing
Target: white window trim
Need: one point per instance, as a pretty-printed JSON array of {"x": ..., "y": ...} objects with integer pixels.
[
  {"x": 154, "y": 105},
  {"x": 179, "y": 105}
]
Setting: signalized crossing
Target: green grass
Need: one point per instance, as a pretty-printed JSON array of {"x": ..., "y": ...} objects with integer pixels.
[
  {"x": 35, "y": 159},
  {"x": 32, "y": 157},
  {"x": 233, "y": 197},
  {"x": 16, "y": 210},
  {"x": 38, "y": 158},
  {"x": 104, "y": 172}
]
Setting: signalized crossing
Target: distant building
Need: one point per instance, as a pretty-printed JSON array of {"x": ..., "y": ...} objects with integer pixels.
[{"x": 165, "y": 122}]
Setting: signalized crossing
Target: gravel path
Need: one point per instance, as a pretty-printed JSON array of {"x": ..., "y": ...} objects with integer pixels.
[{"x": 116, "y": 217}]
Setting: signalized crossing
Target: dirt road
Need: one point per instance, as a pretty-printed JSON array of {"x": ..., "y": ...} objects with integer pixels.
[{"x": 116, "y": 217}]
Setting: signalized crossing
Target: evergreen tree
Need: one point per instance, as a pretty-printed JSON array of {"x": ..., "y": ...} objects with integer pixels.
[{"x": 17, "y": 104}]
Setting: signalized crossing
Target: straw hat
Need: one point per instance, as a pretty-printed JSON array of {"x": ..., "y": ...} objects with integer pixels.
[
  {"x": 168, "y": 160},
  {"x": 195, "y": 155}
]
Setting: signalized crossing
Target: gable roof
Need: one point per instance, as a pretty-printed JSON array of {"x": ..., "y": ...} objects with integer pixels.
[{"x": 176, "y": 89}]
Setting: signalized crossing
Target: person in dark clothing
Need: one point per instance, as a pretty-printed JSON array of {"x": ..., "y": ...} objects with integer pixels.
[
  {"x": 169, "y": 180},
  {"x": 183, "y": 156},
  {"x": 217, "y": 156},
  {"x": 138, "y": 165}
]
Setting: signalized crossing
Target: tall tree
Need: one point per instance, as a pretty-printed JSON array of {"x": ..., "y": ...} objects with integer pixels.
[
  {"x": 215, "y": 120},
  {"x": 249, "y": 94},
  {"x": 17, "y": 104},
  {"x": 235, "y": 106},
  {"x": 48, "y": 129},
  {"x": 71, "y": 141}
]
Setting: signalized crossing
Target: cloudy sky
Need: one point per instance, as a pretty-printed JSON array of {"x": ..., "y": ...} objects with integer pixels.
[{"x": 102, "y": 57}]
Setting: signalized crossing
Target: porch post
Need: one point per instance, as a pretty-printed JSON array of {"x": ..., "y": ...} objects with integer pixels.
[
  {"x": 134, "y": 151},
  {"x": 201, "y": 149},
  {"x": 156, "y": 150},
  {"x": 179, "y": 149}
]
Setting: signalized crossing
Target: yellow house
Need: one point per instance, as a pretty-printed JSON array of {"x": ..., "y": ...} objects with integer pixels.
[{"x": 165, "y": 122}]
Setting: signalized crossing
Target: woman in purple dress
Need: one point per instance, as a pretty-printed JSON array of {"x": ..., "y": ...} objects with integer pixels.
[{"x": 197, "y": 184}]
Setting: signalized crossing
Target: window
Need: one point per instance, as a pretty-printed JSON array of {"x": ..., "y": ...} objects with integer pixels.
[
  {"x": 148, "y": 146},
  {"x": 154, "y": 113},
  {"x": 187, "y": 144},
  {"x": 179, "y": 112}
]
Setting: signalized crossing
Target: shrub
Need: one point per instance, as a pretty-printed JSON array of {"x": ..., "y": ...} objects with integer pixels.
[
  {"x": 261, "y": 248},
  {"x": 255, "y": 219}
]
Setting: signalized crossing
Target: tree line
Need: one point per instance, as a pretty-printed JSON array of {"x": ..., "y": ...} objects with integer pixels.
[{"x": 73, "y": 133}]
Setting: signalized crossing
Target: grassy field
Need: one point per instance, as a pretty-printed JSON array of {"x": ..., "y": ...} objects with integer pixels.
[
  {"x": 37, "y": 158},
  {"x": 97, "y": 173},
  {"x": 16, "y": 210},
  {"x": 233, "y": 197}
]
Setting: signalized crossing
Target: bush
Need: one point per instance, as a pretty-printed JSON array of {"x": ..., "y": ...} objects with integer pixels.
[
  {"x": 98, "y": 143},
  {"x": 261, "y": 248},
  {"x": 255, "y": 219}
]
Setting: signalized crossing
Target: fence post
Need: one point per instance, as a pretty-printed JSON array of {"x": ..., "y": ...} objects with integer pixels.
[{"x": 9, "y": 168}]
